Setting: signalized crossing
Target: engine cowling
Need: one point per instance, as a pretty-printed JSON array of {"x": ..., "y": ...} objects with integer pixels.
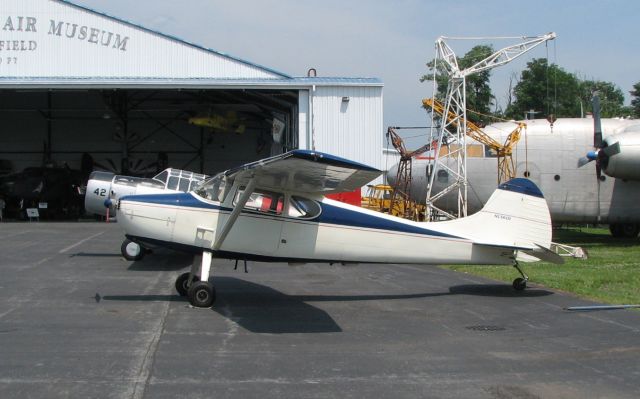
[
  {"x": 626, "y": 163},
  {"x": 104, "y": 189},
  {"x": 98, "y": 191}
]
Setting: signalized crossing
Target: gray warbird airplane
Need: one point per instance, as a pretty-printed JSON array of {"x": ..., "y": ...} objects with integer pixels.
[
  {"x": 276, "y": 210},
  {"x": 558, "y": 158}
]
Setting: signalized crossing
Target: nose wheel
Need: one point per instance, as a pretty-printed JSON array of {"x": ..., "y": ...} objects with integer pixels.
[{"x": 132, "y": 251}]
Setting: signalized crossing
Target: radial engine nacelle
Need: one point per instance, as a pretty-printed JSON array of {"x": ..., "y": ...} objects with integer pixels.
[
  {"x": 622, "y": 160},
  {"x": 105, "y": 188}
]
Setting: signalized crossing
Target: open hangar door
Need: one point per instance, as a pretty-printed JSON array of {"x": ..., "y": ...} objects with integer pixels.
[{"x": 51, "y": 139}]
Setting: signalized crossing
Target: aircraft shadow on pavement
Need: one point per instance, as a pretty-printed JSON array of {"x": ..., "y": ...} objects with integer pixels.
[
  {"x": 95, "y": 255},
  {"x": 262, "y": 309},
  {"x": 157, "y": 262},
  {"x": 497, "y": 290}
]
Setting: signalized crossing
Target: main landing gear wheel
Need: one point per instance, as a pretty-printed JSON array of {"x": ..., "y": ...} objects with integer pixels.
[
  {"x": 519, "y": 284},
  {"x": 201, "y": 294},
  {"x": 182, "y": 283},
  {"x": 131, "y": 250},
  {"x": 624, "y": 230}
]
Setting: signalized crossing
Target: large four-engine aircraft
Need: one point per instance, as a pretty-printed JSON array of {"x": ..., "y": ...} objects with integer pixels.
[
  {"x": 557, "y": 157},
  {"x": 276, "y": 210}
]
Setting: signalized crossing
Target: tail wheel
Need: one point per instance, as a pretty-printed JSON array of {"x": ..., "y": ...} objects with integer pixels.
[{"x": 519, "y": 284}]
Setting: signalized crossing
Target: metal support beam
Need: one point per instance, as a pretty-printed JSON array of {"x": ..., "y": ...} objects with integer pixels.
[{"x": 234, "y": 215}]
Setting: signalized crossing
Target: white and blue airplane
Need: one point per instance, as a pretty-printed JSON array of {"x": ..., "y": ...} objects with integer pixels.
[{"x": 276, "y": 210}]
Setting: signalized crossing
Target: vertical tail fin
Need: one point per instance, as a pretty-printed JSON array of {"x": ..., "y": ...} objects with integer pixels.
[{"x": 516, "y": 215}]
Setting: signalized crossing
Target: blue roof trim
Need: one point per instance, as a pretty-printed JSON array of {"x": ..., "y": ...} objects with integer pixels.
[
  {"x": 67, "y": 2},
  {"x": 336, "y": 80},
  {"x": 523, "y": 186},
  {"x": 199, "y": 80}
]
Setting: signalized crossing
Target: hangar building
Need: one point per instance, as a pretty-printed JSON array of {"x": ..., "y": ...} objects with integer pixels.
[{"x": 89, "y": 90}]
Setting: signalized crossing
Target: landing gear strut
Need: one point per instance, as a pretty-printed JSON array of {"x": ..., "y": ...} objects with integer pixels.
[
  {"x": 520, "y": 283},
  {"x": 196, "y": 288}
]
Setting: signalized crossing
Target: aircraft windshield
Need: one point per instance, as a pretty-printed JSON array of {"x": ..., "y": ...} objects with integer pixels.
[{"x": 212, "y": 189}]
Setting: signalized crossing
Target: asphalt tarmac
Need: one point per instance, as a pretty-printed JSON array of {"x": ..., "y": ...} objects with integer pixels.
[{"x": 78, "y": 321}]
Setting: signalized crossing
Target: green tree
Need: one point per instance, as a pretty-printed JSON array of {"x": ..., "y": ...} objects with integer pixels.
[
  {"x": 478, "y": 93},
  {"x": 611, "y": 97},
  {"x": 635, "y": 101},
  {"x": 545, "y": 89}
]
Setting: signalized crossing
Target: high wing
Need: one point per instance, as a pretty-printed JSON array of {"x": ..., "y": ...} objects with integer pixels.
[{"x": 305, "y": 171}]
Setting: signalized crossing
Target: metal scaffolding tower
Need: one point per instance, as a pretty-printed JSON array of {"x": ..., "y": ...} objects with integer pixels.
[{"x": 453, "y": 131}]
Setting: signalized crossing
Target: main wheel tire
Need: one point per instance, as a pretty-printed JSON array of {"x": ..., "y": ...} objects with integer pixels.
[
  {"x": 624, "y": 230},
  {"x": 629, "y": 230},
  {"x": 131, "y": 250},
  {"x": 519, "y": 284},
  {"x": 201, "y": 294},
  {"x": 616, "y": 230},
  {"x": 182, "y": 283}
]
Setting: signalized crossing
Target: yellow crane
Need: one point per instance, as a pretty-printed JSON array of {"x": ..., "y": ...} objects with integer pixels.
[
  {"x": 506, "y": 166},
  {"x": 401, "y": 203}
]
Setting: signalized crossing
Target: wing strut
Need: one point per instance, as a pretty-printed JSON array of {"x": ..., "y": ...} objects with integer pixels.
[{"x": 234, "y": 214}]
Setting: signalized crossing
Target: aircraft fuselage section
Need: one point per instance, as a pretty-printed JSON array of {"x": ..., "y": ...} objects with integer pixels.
[
  {"x": 341, "y": 233},
  {"x": 549, "y": 157}
]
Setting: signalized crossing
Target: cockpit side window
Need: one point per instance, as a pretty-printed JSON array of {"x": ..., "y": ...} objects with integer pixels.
[{"x": 262, "y": 201}]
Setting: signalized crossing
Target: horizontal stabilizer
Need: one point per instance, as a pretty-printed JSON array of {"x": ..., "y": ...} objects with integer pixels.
[{"x": 544, "y": 254}]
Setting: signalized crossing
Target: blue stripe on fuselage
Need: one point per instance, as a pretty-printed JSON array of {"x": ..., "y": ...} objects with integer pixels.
[
  {"x": 330, "y": 214},
  {"x": 173, "y": 199}
]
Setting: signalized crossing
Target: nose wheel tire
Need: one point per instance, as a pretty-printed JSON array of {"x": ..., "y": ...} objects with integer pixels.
[
  {"x": 132, "y": 251},
  {"x": 519, "y": 284},
  {"x": 201, "y": 294},
  {"x": 182, "y": 283}
]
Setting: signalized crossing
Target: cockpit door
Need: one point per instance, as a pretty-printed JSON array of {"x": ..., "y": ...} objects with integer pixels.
[{"x": 259, "y": 226}]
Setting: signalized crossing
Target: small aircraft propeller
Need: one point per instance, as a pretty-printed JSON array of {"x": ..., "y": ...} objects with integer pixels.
[{"x": 602, "y": 151}]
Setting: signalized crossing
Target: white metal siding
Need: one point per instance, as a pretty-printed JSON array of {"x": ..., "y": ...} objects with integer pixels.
[
  {"x": 351, "y": 129},
  {"x": 107, "y": 48}
]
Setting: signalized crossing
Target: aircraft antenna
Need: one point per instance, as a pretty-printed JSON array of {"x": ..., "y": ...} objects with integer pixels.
[{"x": 454, "y": 127}]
